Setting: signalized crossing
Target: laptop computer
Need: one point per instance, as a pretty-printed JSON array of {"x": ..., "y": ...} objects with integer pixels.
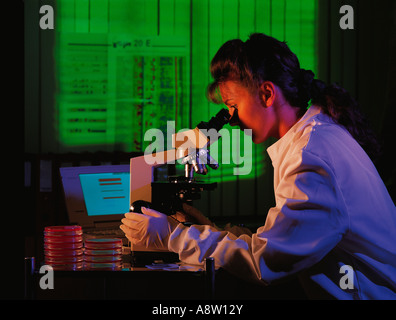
[{"x": 97, "y": 197}]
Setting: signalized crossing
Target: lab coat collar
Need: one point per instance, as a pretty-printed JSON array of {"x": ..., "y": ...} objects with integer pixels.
[{"x": 275, "y": 149}]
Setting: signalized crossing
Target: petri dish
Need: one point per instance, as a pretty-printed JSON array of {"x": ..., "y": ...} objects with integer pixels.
[
  {"x": 67, "y": 266},
  {"x": 99, "y": 244},
  {"x": 63, "y": 245},
  {"x": 106, "y": 252},
  {"x": 61, "y": 260},
  {"x": 103, "y": 266},
  {"x": 61, "y": 231},
  {"x": 62, "y": 239},
  {"x": 115, "y": 258},
  {"x": 63, "y": 253}
]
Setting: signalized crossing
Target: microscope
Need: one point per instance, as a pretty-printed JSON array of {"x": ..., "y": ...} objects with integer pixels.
[{"x": 190, "y": 148}]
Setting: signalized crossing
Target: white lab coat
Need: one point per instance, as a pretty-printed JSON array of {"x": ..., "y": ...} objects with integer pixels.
[{"x": 332, "y": 210}]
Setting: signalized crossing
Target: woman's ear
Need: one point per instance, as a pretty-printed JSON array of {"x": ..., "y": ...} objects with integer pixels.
[{"x": 267, "y": 93}]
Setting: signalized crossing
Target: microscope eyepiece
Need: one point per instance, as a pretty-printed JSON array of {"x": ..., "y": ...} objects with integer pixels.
[{"x": 217, "y": 122}]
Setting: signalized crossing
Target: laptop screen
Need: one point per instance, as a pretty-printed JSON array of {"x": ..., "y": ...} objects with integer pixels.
[
  {"x": 105, "y": 193},
  {"x": 96, "y": 194}
]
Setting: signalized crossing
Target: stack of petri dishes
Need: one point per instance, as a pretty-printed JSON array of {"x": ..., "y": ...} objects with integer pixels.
[
  {"x": 63, "y": 247},
  {"x": 103, "y": 254}
]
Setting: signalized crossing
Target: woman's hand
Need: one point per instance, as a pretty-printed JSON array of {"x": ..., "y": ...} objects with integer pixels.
[{"x": 150, "y": 229}]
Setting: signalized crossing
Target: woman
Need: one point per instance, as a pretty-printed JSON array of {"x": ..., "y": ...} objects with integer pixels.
[{"x": 333, "y": 212}]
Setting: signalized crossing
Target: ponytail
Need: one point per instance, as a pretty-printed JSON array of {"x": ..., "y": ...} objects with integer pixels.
[{"x": 337, "y": 103}]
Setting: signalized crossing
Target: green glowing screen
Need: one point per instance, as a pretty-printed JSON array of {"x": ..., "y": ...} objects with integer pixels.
[{"x": 124, "y": 66}]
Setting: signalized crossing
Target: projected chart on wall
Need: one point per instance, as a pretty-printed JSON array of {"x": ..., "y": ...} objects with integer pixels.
[{"x": 112, "y": 88}]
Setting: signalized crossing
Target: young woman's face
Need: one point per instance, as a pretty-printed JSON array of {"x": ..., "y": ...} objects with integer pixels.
[{"x": 251, "y": 111}]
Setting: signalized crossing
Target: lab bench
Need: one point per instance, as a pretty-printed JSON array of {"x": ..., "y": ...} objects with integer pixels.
[{"x": 187, "y": 282}]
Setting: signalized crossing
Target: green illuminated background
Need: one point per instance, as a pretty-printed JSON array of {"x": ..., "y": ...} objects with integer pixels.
[{"x": 124, "y": 66}]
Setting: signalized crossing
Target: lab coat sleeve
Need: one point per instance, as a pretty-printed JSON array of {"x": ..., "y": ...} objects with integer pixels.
[{"x": 308, "y": 221}]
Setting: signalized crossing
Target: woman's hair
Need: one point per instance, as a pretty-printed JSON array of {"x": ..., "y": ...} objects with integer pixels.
[{"x": 263, "y": 58}]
